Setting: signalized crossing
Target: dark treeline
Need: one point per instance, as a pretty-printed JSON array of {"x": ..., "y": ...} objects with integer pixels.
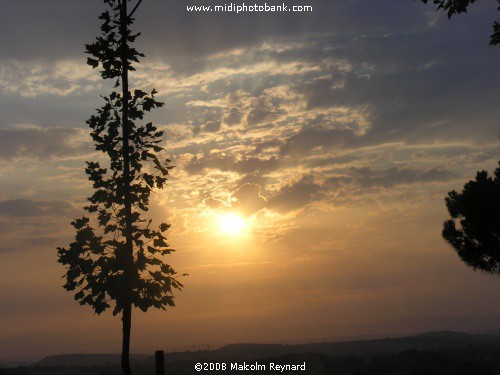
[{"x": 440, "y": 353}]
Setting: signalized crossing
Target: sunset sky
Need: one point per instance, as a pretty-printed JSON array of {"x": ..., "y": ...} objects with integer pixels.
[{"x": 312, "y": 155}]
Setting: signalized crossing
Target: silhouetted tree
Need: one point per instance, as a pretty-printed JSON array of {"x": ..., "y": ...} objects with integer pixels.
[
  {"x": 474, "y": 227},
  {"x": 117, "y": 259},
  {"x": 460, "y": 6}
]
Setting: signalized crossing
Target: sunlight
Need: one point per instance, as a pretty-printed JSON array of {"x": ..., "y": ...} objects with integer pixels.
[{"x": 232, "y": 224}]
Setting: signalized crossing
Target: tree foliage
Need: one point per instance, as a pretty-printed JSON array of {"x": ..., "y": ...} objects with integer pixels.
[
  {"x": 118, "y": 257},
  {"x": 453, "y": 7},
  {"x": 474, "y": 227}
]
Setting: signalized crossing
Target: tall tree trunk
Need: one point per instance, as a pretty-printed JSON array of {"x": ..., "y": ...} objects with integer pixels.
[
  {"x": 125, "y": 359},
  {"x": 128, "y": 274}
]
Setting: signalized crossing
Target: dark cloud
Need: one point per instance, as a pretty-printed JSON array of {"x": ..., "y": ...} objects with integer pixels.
[
  {"x": 27, "y": 224},
  {"x": 214, "y": 202},
  {"x": 310, "y": 138},
  {"x": 348, "y": 21},
  {"x": 295, "y": 195},
  {"x": 307, "y": 190},
  {"x": 264, "y": 109},
  {"x": 233, "y": 117},
  {"x": 221, "y": 162},
  {"x": 367, "y": 177},
  {"x": 255, "y": 164},
  {"x": 7, "y": 249},
  {"x": 254, "y": 179},
  {"x": 206, "y": 120},
  {"x": 211, "y": 126},
  {"x": 266, "y": 145},
  {"x": 168, "y": 32},
  {"x": 230, "y": 163},
  {"x": 409, "y": 69},
  {"x": 25, "y": 208},
  {"x": 406, "y": 103},
  {"x": 345, "y": 158},
  {"x": 42, "y": 143},
  {"x": 249, "y": 198}
]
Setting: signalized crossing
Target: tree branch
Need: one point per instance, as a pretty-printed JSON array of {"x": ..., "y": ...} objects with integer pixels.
[{"x": 135, "y": 8}]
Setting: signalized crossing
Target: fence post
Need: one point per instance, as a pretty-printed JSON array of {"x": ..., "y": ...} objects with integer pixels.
[{"x": 160, "y": 362}]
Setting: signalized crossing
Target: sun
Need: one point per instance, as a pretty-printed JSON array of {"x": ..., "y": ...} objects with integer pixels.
[{"x": 232, "y": 224}]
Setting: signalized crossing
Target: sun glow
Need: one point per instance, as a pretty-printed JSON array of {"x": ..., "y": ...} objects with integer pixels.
[{"x": 232, "y": 224}]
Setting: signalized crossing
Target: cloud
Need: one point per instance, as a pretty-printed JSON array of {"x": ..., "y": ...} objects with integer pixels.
[
  {"x": 264, "y": 109},
  {"x": 215, "y": 203},
  {"x": 27, "y": 224},
  {"x": 311, "y": 138},
  {"x": 169, "y": 25},
  {"x": 233, "y": 117},
  {"x": 256, "y": 165},
  {"x": 323, "y": 96},
  {"x": 266, "y": 145},
  {"x": 367, "y": 177},
  {"x": 31, "y": 79},
  {"x": 308, "y": 189},
  {"x": 295, "y": 195},
  {"x": 211, "y": 126},
  {"x": 27, "y": 208},
  {"x": 230, "y": 163},
  {"x": 249, "y": 198},
  {"x": 413, "y": 103},
  {"x": 198, "y": 164},
  {"x": 35, "y": 142}
]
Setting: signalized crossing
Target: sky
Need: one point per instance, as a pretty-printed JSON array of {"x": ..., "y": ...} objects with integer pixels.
[{"x": 312, "y": 151}]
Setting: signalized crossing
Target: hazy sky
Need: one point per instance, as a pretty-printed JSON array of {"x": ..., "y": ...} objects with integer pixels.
[{"x": 333, "y": 135}]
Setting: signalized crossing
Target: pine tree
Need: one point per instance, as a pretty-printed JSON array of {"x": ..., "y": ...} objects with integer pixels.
[
  {"x": 474, "y": 227},
  {"x": 117, "y": 259}
]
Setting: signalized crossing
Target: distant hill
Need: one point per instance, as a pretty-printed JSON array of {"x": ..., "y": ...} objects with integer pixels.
[
  {"x": 87, "y": 360},
  {"x": 429, "y": 341},
  {"x": 430, "y": 353},
  {"x": 13, "y": 364},
  {"x": 424, "y": 341}
]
